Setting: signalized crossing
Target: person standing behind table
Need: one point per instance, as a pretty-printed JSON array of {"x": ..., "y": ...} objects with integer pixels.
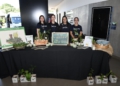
[
  {"x": 41, "y": 26},
  {"x": 65, "y": 26},
  {"x": 53, "y": 26},
  {"x": 76, "y": 29}
]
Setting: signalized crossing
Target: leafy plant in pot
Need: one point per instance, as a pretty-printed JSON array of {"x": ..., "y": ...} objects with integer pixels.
[
  {"x": 113, "y": 78},
  {"x": 104, "y": 78},
  {"x": 25, "y": 75},
  {"x": 42, "y": 39},
  {"x": 18, "y": 46},
  {"x": 90, "y": 79}
]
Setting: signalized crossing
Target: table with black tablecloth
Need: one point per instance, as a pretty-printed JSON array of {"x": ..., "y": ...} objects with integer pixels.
[{"x": 55, "y": 62}]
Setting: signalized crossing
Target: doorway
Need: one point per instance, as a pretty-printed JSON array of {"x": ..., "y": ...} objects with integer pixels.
[{"x": 101, "y": 19}]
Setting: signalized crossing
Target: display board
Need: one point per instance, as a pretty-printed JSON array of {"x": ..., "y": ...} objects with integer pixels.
[
  {"x": 88, "y": 41},
  {"x": 60, "y": 38},
  {"x": 29, "y": 39},
  {"x": 8, "y": 36}
]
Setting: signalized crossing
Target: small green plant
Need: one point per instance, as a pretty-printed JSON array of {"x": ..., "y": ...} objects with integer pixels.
[
  {"x": 21, "y": 72},
  {"x": 94, "y": 42},
  {"x": 91, "y": 72},
  {"x": 43, "y": 35},
  {"x": 22, "y": 44},
  {"x": 108, "y": 74},
  {"x": 104, "y": 76},
  {"x": 113, "y": 75},
  {"x": 80, "y": 38},
  {"x": 72, "y": 40},
  {"x": 27, "y": 73}
]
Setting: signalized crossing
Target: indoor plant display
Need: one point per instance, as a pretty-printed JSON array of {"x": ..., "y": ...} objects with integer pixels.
[
  {"x": 15, "y": 78},
  {"x": 104, "y": 78},
  {"x": 113, "y": 78},
  {"x": 90, "y": 79},
  {"x": 21, "y": 45},
  {"x": 42, "y": 39},
  {"x": 25, "y": 75}
]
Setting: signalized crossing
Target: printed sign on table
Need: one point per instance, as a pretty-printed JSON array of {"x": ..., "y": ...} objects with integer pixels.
[
  {"x": 60, "y": 38},
  {"x": 8, "y": 36}
]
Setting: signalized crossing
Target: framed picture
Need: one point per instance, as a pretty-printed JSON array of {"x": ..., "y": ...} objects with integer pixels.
[
  {"x": 60, "y": 38},
  {"x": 8, "y": 36},
  {"x": 29, "y": 39}
]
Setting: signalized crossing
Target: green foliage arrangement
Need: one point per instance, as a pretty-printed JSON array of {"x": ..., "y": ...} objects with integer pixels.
[
  {"x": 22, "y": 44},
  {"x": 27, "y": 73},
  {"x": 104, "y": 76},
  {"x": 80, "y": 38},
  {"x": 113, "y": 75},
  {"x": 43, "y": 35}
]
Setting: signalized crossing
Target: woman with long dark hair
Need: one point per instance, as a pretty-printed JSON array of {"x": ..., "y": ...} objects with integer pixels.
[
  {"x": 42, "y": 25},
  {"x": 53, "y": 26},
  {"x": 65, "y": 26},
  {"x": 76, "y": 29}
]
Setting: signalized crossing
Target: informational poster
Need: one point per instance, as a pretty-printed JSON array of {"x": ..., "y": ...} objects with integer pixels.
[
  {"x": 8, "y": 36},
  {"x": 88, "y": 41},
  {"x": 60, "y": 38},
  {"x": 29, "y": 39}
]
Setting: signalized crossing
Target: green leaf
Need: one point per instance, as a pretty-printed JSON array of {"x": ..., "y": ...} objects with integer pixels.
[{"x": 28, "y": 76}]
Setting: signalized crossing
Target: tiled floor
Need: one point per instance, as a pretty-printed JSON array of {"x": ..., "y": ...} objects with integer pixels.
[{"x": 114, "y": 64}]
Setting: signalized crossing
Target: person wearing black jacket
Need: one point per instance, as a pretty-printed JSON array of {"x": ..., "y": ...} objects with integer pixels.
[
  {"x": 53, "y": 26},
  {"x": 65, "y": 26},
  {"x": 76, "y": 29},
  {"x": 42, "y": 25}
]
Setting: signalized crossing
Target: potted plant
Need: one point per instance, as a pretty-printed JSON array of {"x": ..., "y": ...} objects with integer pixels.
[
  {"x": 33, "y": 76},
  {"x": 25, "y": 75},
  {"x": 18, "y": 46},
  {"x": 90, "y": 79},
  {"x": 98, "y": 79},
  {"x": 113, "y": 78},
  {"x": 104, "y": 78},
  {"x": 15, "y": 78},
  {"x": 42, "y": 39}
]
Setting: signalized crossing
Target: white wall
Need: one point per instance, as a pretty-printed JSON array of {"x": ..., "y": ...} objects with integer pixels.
[
  {"x": 82, "y": 13},
  {"x": 67, "y": 5}
]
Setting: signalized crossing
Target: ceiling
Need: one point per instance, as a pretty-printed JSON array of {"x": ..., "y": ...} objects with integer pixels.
[{"x": 53, "y": 3}]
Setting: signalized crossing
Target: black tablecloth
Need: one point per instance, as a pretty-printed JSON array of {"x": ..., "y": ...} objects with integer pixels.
[{"x": 55, "y": 62}]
